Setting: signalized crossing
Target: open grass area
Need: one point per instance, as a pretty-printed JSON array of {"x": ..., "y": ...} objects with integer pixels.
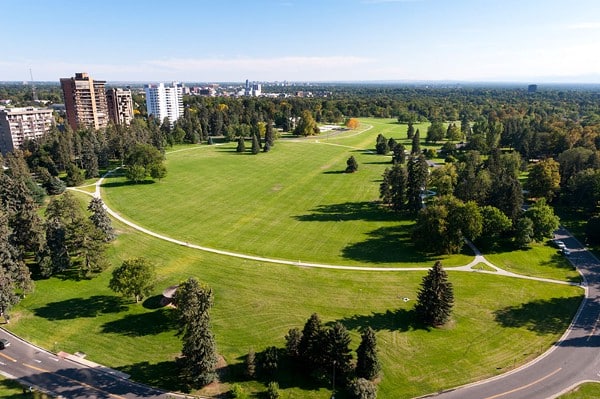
[
  {"x": 292, "y": 203},
  {"x": 295, "y": 203},
  {"x": 498, "y": 322}
]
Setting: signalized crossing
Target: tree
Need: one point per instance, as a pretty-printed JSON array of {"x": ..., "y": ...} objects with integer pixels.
[
  {"x": 398, "y": 155},
  {"x": 431, "y": 228},
  {"x": 136, "y": 173},
  {"x": 362, "y": 388},
  {"x": 141, "y": 160},
  {"x": 134, "y": 278},
  {"x": 307, "y": 125},
  {"x": 273, "y": 390},
  {"x": 381, "y": 145},
  {"x": 338, "y": 354},
  {"x": 367, "y": 362},
  {"x": 269, "y": 134},
  {"x": 269, "y": 361},
  {"x": 392, "y": 190},
  {"x": 435, "y": 132},
  {"x": 292, "y": 343},
  {"x": 417, "y": 172},
  {"x": 100, "y": 219},
  {"x": 351, "y": 165},
  {"x": 352, "y": 123},
  {"x": 158, "y": 171},
  {"x": 250, "y": 364},
  {"x": 199, "y": 357},
  {"x": 241, "y": 145},
  {"x": 255, "y": 145},
  {"x": 495, "y": 222},
  {"x": 410, "y": 131},
  {"x": 435, "y": 298},
  {"x": 311, "y": 342},
  {"x": 75, "y": 176},
  {"x": 416, "y": 143},
  {"x": 453, "y": 133},
  {"x": 523, "y": 232},
  {"x": 545, "y": 222}
]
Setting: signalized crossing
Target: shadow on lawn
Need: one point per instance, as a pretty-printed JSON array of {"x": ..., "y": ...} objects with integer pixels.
[
  {"x": 81, "y": 307},
  {"x": 110, "y": 184},
  {"x": 387, "y": 245},
  {"x": 163, "y": 375},
  {"x": 138, "y": 325},
  {"x": 543, "y": 317},
  {"x": 347, "y": 211},
  {"x": 391, "y": 320}
]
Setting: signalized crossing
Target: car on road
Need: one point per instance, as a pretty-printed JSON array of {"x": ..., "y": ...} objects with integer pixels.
[
  {"x": 559, "y": 244},
  {"x": 4, "y": 343},
  {"x": 566, "y": 251}
]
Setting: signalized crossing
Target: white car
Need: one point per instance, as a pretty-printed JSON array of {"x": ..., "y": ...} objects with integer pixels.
[{"x": 559, "y": 244}]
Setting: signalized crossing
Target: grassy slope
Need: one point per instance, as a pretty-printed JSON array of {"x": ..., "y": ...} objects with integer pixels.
[
  {"x": 498, "y": 322},
  {"x": 585, "y": 391}
]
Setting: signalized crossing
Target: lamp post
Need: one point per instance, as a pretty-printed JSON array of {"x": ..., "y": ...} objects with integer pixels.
[{"x": 333, "y": 382}]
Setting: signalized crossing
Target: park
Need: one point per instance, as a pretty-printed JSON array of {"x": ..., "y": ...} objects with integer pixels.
[{"x": 296, "y": 204}]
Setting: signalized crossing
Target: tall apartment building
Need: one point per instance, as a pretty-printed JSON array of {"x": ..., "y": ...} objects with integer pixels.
[
  {"x": 85, "y": 101},
  {"x": 165, "y": 102},
  {"x": 120, "y": 106},
  {"x": 20, "y": 124}
]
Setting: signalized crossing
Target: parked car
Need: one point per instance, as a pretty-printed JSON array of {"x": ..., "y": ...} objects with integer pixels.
[
  {"x": 4, "y": 343},
  {"x": 566, "y": 251}
]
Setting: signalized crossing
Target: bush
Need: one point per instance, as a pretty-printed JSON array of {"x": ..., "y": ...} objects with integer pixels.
[
  {"x": 273, "y": 390},
  {"x": 362, "y": 389},
  {"x": 237, "y": 392}
]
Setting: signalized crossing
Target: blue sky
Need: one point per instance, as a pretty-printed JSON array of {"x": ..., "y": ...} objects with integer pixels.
[{"x": 302, "y": 40}]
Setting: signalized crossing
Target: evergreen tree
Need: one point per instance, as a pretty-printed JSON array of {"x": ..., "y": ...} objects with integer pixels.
[
  {"x": 417, "y": 173},
  {"x": 56, "y": 247},
  {"x": 241, "y": 146},
  {"x": 269, "y": 134},
  {"x": 100, "y": 219},
  {"x": 367, "y": 362},
  {"x": 255, "y": 145},
  {"x": 91, "y": 251},
  {"x": 416, "y": 143},
  {"x": 399, "y": 155},
  {"x": 392, "y": 190},
  {"x": 338, "y": 354},
  {"x": 199, "y": 356},
  {"x": 250, "y": 364},
  {"x": 311, "y": 343},
  {"x": 269, "y": 362},
  {"x": 381, "y": 145},
  {"x": 292, "y": 343},
  {"x": 351, "y": 165},
  {"x": 523, "y": 228},
  {"x": 435, "y": 298},
  {"x": 410, "y": 132}
]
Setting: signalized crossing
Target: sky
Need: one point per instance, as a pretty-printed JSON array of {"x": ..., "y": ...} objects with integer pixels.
[{"x": 532, "y": 41}]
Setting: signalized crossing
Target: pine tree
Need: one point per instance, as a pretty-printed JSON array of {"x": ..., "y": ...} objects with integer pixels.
[
  {"x": 100, "y": 219},
  {"x": 398, "y": 154},
  {"x": 199, "y": 355},
  {"x": 410, "y": 132},
  {"x": 381, "y": 145},
  {"x": 367, "y": 362},
  {"x": 392, "y": 190},
  {"x": 250, "y": 364},
  {"x": 292, "y": 343},
  {"x": 338, "y": 354},
  {"x": 417, "y": 172},
  {"x": 241, "y": 146},
  {"x": 435, "y": 298},
  {"x": 269, "y": 134},
  {"x": 416, "y": 143},
  {"x": 351, "y": 165},
  {"x": 255, "y": 145},
  {"x": 311, "y": 343}
]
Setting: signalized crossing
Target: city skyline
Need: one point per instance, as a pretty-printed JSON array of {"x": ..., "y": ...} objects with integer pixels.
[{"x": 294, "y": 40}]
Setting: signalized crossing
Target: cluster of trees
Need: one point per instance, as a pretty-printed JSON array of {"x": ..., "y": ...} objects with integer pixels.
[{"x": 65, "y": 239}]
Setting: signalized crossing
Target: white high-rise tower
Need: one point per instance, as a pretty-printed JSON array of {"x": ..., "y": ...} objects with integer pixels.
[{"x": 164, "y": 102}]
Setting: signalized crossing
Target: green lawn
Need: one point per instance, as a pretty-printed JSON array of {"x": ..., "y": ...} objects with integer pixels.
[
  {"x": 588, "y": 390},
  {"x": 498, "y": 322},
  {"x": 294, "y": 203}
]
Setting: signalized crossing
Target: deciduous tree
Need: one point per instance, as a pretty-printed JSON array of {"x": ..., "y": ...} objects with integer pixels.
[{"x": 134, "y": 278}]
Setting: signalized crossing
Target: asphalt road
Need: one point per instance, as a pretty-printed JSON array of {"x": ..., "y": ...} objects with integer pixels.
[
  {"x": 574, "y": 359},
  {"x": 35, "y": 367}
]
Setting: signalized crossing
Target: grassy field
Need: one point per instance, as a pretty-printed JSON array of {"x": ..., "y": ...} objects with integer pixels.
[
  {"x": 307, "y": 210},
  {"x": 585, "y": 391},
  {"x": 498, "y": 322}
]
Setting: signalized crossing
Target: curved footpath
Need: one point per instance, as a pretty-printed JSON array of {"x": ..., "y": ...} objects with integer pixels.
[{"x": 572, "y": 360}]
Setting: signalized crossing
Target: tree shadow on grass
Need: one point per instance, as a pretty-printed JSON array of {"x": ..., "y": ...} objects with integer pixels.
[
  {"x": 110, "y": 184},
  {"x": 81, "y": 307},
  {"x": 387, "y": 245},
  {"x": 390, "y": 320},
  {"x": 138, "y": 325},
  {"x": 364, "y": 210},
  {"x": 163, "y": 375},
  {"x": 543, "y": 317},
  {"x": 153, "y": 302}
]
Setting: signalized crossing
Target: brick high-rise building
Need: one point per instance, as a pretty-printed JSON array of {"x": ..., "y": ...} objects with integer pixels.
[
  {"x": 120, "y": 106},
  {"x": 20, "y": 124},
  {"x": 85, "y": 102}
]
